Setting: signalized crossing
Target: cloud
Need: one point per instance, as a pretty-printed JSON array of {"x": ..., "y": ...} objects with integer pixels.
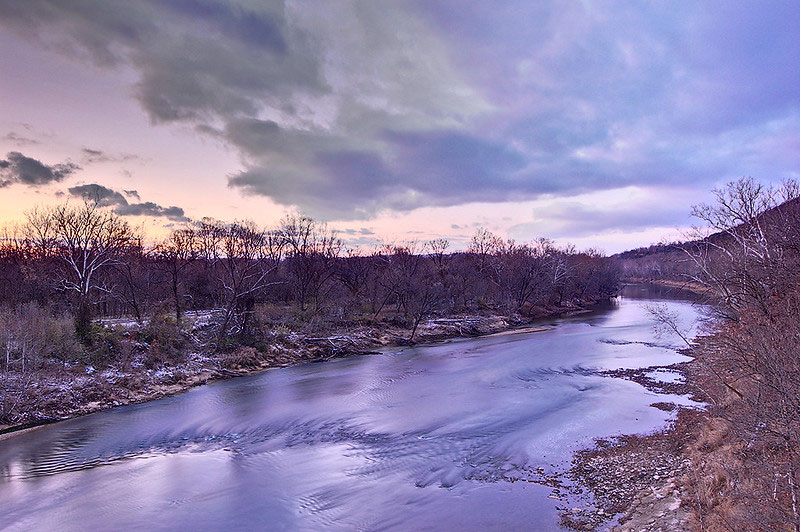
[
  {"x": 132, "y": 194},
  {"x": 349, "y": 109},
  {"x": 91, "y": 156},
  {"x": 364, "y": 231},
  {"x": 27, "y": 137},
  {"x": 330, "y": 79},
  {"x": 98, "y": 193},
  {"x": 107, "y": 197},
  {"x": 617, "y": 210},
  {"x": 19, "y": 140},
  {"x": 151, "y": 209},
  {"x": 18, "y": 168}
]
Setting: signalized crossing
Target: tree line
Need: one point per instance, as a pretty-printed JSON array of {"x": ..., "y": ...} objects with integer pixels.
[{"x": 83, "y": 261}]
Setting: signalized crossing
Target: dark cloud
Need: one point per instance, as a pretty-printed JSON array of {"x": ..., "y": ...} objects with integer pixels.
[
  {"x": 264, "y": 30},
  {"x": 349, "y": 109},
  {"x": 98, "y": 193},
  {"x": 196, "y": 58},
  {"x": 107, "y": 197},
  {"x": 17, "y": 168},
  {"x": 132, "y": 194},
  {"x": 217, "y": 64},
  {"x": 638, "y": 101},
  {"x": 443, "y": 162},
  {"x": 149, "y": 208}
]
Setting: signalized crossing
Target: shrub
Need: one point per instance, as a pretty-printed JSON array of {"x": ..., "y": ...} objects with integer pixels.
[
  {"x": 30, "y": 336},
  {"x": 168, "y": 342},
  {"x": 242, "y": 358},
  {"x": 281, "y": 331},
  {"x": 103, "y": 344}
]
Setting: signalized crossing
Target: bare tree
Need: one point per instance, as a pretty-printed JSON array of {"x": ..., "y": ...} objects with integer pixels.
[
  {"x": 561, "y": 273},
  {"x": 424, "y": 295},
  {"x": 179, "y": 250},
  {"x": 483, "y": 245},
  {"x": 84, "y": 240},
  {"x": 132, "y": 268},
  {"x": 741, "y": 248},
  {"x": 521, "y": 271},
  {"x": 354, "y": 271},
  {"x": 438, "y": 251},
  {"x": 246, "y": 258},
  {"x": 747, "y": 256},
  {"x": 312, "y": 253}
]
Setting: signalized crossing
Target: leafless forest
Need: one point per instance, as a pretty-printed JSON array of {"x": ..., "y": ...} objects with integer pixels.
[
  {"x": 745, "y": 259},
  {"x": 81, "y": 291}
]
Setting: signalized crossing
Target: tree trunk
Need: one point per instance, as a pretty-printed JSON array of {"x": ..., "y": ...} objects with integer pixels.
[
  {"x": 414, "y": 329},
  {"x": 83, "y": 320},
  {"x": 176, "y": 299},
  {"x": 223, "y": 328}
]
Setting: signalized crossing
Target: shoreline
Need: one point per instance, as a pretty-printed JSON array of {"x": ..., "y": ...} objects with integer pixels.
[
  {"x": 306, "y": 350},
  {"x": 634, "y": 481},
  {"x": 640, "y": 479},
  {"x": 687, "y": 287}
]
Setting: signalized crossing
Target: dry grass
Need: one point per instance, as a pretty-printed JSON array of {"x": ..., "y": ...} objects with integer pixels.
[{"x": 739, "y": 476}]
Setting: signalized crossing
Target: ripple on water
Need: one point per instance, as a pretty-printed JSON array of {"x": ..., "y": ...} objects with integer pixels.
[{"x": 421, "y": 438}]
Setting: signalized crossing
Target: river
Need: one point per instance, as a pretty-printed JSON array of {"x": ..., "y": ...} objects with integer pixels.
[{"x": 421, "y": 438}]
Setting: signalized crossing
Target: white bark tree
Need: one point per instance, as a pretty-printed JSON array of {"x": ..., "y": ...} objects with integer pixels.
[{"x": 81, "y": 241}]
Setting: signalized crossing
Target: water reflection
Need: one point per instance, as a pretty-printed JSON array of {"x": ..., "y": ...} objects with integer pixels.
[
  {"x": 416, "y": 438},
  {"x": 655, "y": 291}
]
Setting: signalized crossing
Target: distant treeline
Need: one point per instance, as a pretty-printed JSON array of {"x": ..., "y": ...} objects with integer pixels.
[
  {"x": 86, "y": 262},
  {"x": 658, "y": 261},
  {"x": 706, "y": 252}
]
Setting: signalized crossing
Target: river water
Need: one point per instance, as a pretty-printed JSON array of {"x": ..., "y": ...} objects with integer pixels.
[{"x": 420, "y": 438}]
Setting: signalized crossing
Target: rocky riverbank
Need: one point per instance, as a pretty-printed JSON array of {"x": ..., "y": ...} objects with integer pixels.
[
  {"x": 641, "y": 480},
  {"x": 637, "y": 479}
]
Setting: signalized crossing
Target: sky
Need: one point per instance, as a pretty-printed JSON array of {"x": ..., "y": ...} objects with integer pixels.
[{"x": 589, "y": 122}]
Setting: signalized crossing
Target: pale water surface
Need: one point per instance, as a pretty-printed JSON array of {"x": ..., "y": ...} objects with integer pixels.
[{"x": 414, "y": 439}]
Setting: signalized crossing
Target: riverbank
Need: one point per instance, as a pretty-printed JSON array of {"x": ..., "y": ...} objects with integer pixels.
[
  {"x": 645, "y": 481},
  {"x": 635, "y": 481},
  {"x": 56, "y": 394},
  {"x": 640, "y": 479}
]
